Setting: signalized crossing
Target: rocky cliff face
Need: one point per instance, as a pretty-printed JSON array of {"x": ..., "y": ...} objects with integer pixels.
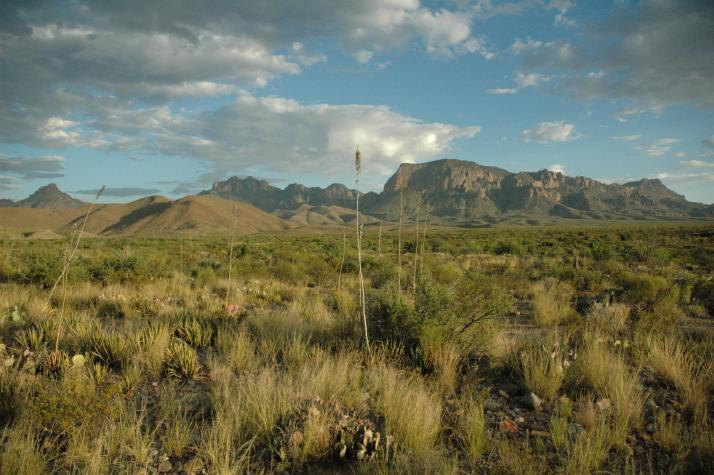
[
  {"x": 459, "y": 191},
  {"x": 267, "y": 197}
]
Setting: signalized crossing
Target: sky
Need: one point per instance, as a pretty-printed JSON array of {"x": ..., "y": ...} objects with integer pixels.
[{"x": 167, "y": 96}]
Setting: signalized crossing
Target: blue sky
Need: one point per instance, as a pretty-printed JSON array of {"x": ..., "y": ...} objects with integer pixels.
[{"x": 164, "y": 97}]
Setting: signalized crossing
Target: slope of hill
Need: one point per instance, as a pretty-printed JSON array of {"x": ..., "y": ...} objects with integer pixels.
[
  {"x": 154, "y": 215},
  {"x": 49, "y": 196},
  {"x": 306, "y": 215},
  {"x": 196, "y": 215}
]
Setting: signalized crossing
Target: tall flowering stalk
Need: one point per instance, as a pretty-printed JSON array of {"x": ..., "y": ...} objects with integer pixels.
[
  {"x": 399, "y": 243},
  {"x": 358, "y": 169},
  {"x": 416, "y": 247}
]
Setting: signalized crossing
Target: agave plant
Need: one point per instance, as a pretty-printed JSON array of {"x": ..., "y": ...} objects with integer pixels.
[{"x": 182, "y": 362}]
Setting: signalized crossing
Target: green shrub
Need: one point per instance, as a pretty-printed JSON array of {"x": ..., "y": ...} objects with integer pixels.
[{"x": 641, "y": 289}]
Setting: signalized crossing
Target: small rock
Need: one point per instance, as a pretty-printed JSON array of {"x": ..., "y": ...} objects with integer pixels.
[
  {"x": 533, "y": 401},
  {"x": 165, "y": 466},
  {"x": 603, "y": 404},
  {"x": 503, "y": 393},
  {"x": 508, "y": 426},
  {"x": 520, "y": 420}
]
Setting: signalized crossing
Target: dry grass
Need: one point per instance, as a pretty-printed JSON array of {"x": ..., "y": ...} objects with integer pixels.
[
  {"x": 412, "y": 412},
  {"x": 446, "y": 359},
  {"x": 588, "y": 451},
  {"x": 472, "y": 430},
  {"x": 551, "y": 302},
  {"x": 542, "y": 368},
  {"x": 610, "y": 319},
  {"x": 671, "y": 360}
]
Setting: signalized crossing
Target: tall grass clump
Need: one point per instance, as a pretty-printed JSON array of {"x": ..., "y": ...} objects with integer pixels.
[
  {"x": 672, "y": 361},
  {"x": 412, "y": 412},
  {"x": 472, "y": 430},
  {"x": 19, "y": 453},
  {"x": 551, "y": 302},
  {"x": 610, "y": 319},
  {"x": 541, "y": 367},
  {"x": 589, "y": 450}
]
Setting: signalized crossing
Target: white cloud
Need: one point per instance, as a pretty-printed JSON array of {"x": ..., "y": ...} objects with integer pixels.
[
  {"x": 557, "y": 168},
  {"x": 626, "y": 138},
  {"x": 282, "y": 135},
  {"x": 46, "y": 166},
  {"x": 666, "y": 141},
  {"x": 478, "y": 45},
  {"x": 519, "y": 46},
  {"x": 697, "y": 164},
  {"x": 522, "y": 81},
  {"x": 657, "y": 148},
  {"x": 530, "y": 79},
  {"x": 8, "y": 183},
  {"x": 551, "y": 132},
  {"x": 364, "y": 56},
  {"x": 657, "y": 55},
  {"x": 502, "y": 90},
  {"x": 686, "y": 178},
  {"x": 680, "y": 154}
]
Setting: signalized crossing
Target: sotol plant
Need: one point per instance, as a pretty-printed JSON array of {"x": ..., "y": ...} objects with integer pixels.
[{"x": 358, "y": 169}]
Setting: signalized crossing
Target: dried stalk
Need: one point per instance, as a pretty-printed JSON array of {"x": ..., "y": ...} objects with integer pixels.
[
  {"x": 379, "y": 242},
  {"x": 342, "y": 263},
  {"x": 230, "y": 256},
  {"x": 423, "y": 239},
  {"x": 416, "y": 247},
  {"x": 358, "y": 169},
  {"x": 63, "y": 274}
]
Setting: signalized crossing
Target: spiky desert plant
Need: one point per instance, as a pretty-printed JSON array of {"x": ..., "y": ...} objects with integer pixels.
[{"x": 358, "y": 169}]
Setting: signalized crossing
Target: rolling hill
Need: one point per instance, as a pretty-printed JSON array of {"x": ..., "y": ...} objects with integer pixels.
[{"x": 154, "y": 215}]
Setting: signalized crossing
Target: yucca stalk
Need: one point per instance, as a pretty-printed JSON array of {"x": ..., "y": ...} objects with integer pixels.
[
  {"x": 416, "y": 247},
  {"x": 423, "y": 239},
  {"x": 342, "y": 263},
  {"x": 379, "y": 242},
  {"x": 68, "y": 261},
  {"x": 230, "y": 256},
  {"x": 358, "y": 169},
  {"x": 399, "y": 239}
]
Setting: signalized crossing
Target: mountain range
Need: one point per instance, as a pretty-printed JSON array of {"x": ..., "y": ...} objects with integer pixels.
[
  {"x": 466, "y": 193},
  {"x": 452, "y": 192}
]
